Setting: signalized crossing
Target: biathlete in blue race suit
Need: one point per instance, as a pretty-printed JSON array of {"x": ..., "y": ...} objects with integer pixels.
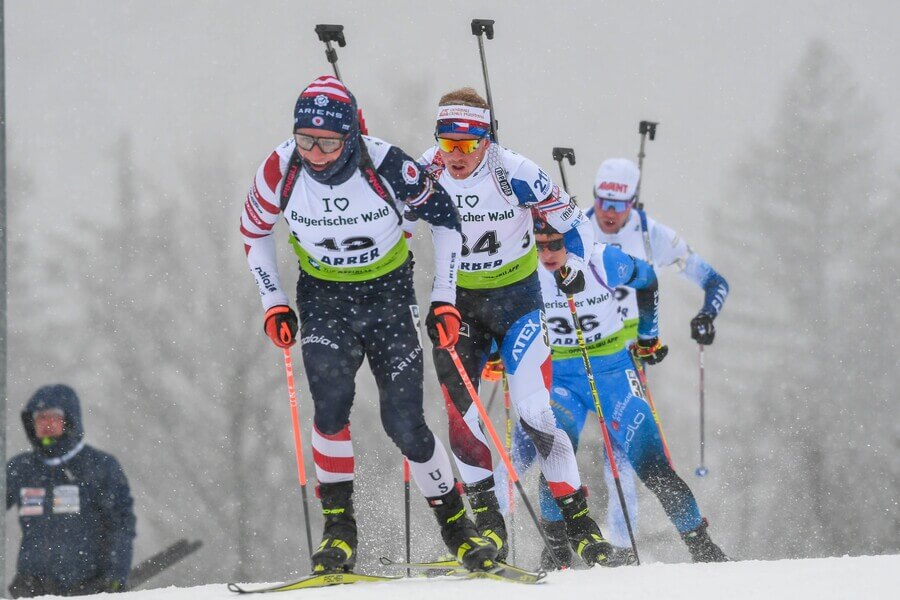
[{"x": 634, "y": 435}]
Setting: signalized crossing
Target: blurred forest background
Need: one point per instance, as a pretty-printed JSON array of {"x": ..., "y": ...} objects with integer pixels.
[{"x": 134, "y": 130}]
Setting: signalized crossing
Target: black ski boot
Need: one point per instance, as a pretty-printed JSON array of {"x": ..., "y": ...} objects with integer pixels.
[
  {"x": 702, "y": 548},
  {"x": 337, "y": 552},
  {"x": 584, "y": 534},
  {"x": 460, "y": 535},
  {"x": 488, "y": 519},
  {"x": 559, "y": 542}
]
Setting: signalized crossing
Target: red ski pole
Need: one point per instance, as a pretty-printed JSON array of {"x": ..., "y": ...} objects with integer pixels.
[
  {"x": 298, "y": 446},
  {"x": 498, "y": 445}
]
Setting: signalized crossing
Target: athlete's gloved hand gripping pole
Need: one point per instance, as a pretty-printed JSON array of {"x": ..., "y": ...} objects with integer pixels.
[
  {"x": 281, "y": 326},
  {"x": 558, "y": 155}
]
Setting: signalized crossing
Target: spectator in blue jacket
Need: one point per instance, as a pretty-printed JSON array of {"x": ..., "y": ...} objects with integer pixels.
[{"x": 75, "y": 508}]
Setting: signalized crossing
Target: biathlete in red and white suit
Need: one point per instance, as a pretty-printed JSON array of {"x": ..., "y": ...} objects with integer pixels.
[
  {"x": 499, "y": 299},
  {"x": 341, "y": 195}
]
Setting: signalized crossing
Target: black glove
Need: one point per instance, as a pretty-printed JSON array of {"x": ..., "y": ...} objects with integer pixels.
[
  {"x": 442, "y": 324},
  {"x": 702, "y": 328},
  {"x": 280, "y": 324},
  {"x": 570, "y": 278},
  {"x": 650, "y": 351}
]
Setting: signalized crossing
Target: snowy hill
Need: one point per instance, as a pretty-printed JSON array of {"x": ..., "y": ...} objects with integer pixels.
[{"x": 868, "y": 577}]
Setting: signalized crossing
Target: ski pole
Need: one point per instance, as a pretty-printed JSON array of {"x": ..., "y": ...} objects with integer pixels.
[
  {"x": 406, "y": 511},
  {"x": 328, "y": 34},
  {"x": 510, "y": 493},
  {"x": 335, "y": 33},
  {"x": 558, "y": 155},
  {"x": 645, "y": 128},
  {"x": 486, "y": 27},
  {"x": 606, "y": 441},
  {"x": 513, "y": 476},
  {"x": 702, "y": 470},
  {"x": 642, "y": 377},
  {"x": 298, "y": 446}
]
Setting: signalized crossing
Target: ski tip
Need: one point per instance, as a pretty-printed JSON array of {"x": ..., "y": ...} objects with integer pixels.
[
  {"x": 233, "y": 587},
  {"x": 384, "y": 560}
]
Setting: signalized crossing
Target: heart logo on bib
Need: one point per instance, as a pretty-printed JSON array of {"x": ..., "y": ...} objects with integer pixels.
[
  {"x": 341, "y": 204},
  {"x": 471, "y": 201}
]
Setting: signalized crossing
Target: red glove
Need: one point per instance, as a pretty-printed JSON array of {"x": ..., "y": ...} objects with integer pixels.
[
  {"x": 281, "y": 325},
  {"x": 442, "y": 325}
]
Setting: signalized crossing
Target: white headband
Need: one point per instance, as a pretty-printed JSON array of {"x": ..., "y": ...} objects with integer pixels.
[{"x": 467, "y": 113}]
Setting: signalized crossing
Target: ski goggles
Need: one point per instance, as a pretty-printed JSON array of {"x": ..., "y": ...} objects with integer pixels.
[
  {"x": 553, "y": 245},
  {"x": 618, "y": 206},
  {"x": 464, "y": 146},
  {"x": 325, "y": 144}
]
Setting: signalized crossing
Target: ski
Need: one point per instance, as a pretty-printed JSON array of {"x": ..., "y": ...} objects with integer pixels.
[
  {"x": 313, "y": 581},
  {"x": 501, "y": 572},
  {"x": 159, "y": 562}
]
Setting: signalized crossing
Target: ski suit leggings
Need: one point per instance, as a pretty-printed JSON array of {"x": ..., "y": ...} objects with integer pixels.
[
  {"x": 343, "y": 323},
  {"x": 513, "y": 316},
  {"x": 635, "y": 439}
]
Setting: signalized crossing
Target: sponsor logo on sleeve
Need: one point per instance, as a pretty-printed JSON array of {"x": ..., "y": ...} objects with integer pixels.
[{"x": 410, "y": 172}]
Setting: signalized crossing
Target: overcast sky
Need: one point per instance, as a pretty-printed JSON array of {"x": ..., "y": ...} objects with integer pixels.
[{"x": 185, "y": 77}]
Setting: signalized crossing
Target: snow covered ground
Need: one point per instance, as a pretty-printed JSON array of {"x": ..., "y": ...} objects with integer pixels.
[{"x": 867, "y": 577}]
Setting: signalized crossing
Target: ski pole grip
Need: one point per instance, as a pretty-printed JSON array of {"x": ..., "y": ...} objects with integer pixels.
[
  {"x": 648, "y": 127},
  {"x": 331, "y": 33},
  {"x": 564, "y": 153},
  {"x": 483, "y": 26}
]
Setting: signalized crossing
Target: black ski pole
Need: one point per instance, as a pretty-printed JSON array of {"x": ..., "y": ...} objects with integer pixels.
[
  {"x": 702, "y": 471},
  {"x": 328, "y": 34},
  {"x": 485, "y": 27},
  {"x": 406, "y": 512},
  {"x": 645, "y": 128},
  {"x": 558, "y": 155},
  {"x": 498, "y": 446}
]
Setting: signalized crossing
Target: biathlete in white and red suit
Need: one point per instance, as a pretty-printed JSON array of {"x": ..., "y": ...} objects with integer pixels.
[
  {"x": 341, "y": 194},
  {"x": 499, "y": 298}
]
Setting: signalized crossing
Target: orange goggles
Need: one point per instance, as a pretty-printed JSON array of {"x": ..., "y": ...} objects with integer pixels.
[{"x": 464, "y": 146}]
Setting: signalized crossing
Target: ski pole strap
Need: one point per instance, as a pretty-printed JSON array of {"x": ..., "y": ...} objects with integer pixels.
[
  {"x": 374, "y": 180},
  {"x": 295, "y": 165}
]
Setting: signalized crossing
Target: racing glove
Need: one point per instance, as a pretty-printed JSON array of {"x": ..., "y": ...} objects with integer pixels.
[
  {"x": 702, "y": 328},
  {"x": 281, "y": 325},
  {"x": 650, "y": 351},
  {"x": 442, "y": 324},
  {"x": 570, "y": 278}
]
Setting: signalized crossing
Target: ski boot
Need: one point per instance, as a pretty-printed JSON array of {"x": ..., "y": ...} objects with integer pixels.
[
  {"x": 337, "y": 552},
  {"x": 473, "y": 552},
  {"x": 584, "y": 534},
  {"x": 488, "y": 519},
  {"x": 559, "y": 542},
  {"x": 702, "y": 548},
  {"x": 621, "y": 557}
]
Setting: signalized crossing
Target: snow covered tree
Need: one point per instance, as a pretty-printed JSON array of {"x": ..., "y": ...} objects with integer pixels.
[{"x": 801, "y": 235}]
